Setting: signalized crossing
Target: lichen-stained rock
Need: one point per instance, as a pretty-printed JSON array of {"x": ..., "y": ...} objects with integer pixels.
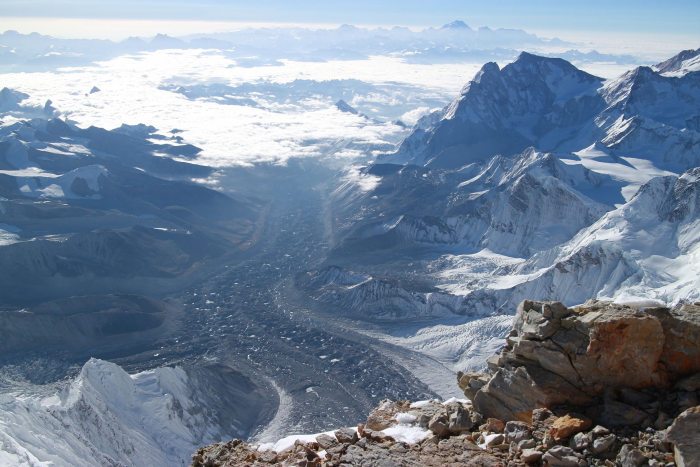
[
  {"x": 681, "y": 352},
  {"x": 685, "y": 436}
]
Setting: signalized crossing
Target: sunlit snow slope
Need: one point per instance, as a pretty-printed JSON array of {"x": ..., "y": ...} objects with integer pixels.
[{"x": 108, "y": 418}]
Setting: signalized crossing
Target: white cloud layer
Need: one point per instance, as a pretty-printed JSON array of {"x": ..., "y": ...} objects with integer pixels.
[
  {"x": 228, "y": 134},
  {"x": 233, "y": 134}
]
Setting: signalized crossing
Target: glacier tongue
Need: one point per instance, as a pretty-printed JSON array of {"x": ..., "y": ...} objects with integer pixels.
[{"x": 107, "y": 417}]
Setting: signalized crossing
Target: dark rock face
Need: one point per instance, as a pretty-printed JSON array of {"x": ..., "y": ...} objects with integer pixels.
[{"x": 558, "y": 355}]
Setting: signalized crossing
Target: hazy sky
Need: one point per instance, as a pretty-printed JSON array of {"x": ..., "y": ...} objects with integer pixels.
[{"x": 638, "y": 16}]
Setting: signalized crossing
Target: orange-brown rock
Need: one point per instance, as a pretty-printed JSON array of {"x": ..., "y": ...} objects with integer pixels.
[
  {"x": 494, "y": 425},
  {"x": 681, "y": 352},
  {"x": 558, "y": 355},
  {"x": 625, "y": 345},
  {"x": 568, "y": 425},
  {"x": 382, "y": 417}
]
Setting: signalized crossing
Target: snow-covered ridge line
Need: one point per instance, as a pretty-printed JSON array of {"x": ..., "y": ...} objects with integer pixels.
[
  {"x": 107, "y": 417},
  {"x": 561, "y": 109}
]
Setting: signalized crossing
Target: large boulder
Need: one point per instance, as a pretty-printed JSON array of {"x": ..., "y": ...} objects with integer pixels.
[
  {"x": 685, "y": 436},
  {"x": 514, "y": 392},
  {"x": 559, "y": 355}
]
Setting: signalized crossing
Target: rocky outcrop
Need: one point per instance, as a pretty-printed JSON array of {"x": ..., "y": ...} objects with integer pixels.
[{"x": 557, "y": 355}]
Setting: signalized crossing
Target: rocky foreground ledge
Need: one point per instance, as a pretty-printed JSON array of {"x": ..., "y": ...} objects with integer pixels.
[{"x": 595, "y": 385}]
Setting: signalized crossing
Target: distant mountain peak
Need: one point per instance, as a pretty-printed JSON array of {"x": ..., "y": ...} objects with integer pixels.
[
  {"x": 164, "y": 39},
  {"x": 10, "y": 99},
  {"x": 345, "y": 107},
  {"x": 526, "y": 57},
  {"x": 676, "y": 62},
  {"x": 455, "y": 25}
]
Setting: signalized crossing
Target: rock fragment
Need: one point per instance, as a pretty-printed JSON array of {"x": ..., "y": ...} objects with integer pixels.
[
  {"x": 326, "y": 442},
  {"x": 459, "y": 420},
  {"x": 439, "y": 425},
  {"x": 601, "y": 445},
  {"x": 561, "y": 456},
  {"x": 516, "y": 432},
  {"x": 631, "y": 457},
  {"x": 580, "y": 442},
  {"x": 568, "y": 425},
  {"x": 346, "y": 435},
  {"x": 530, "y": 455}
]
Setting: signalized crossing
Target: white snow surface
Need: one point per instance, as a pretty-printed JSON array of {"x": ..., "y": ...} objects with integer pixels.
[
  {"x": 106, "y": 418},
  {"x": 8, "y": 233},
  {"x": 458, "y": 343},
  {"x": 405, "y": 433},
  {"x": 60, "y": 186}
]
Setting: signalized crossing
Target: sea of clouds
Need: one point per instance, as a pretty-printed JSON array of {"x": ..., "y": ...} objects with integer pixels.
[{"x": 277, "y": 128}]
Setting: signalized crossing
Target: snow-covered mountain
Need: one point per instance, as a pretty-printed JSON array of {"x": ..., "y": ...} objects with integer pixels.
[
  {"x": 107, "y": 417},
  {"x": 650, "y": 248},
  {"x": 512, "y": 205},
  {"x": 542, "y": 182},
  {"x": 532, "y": 100},
  {"x": 680, "y": 64},
  {"x": 551, "y": 105}
]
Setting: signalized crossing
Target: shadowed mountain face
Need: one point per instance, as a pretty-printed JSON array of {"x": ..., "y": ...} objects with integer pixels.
[
  {"x": 80, "y": 323},
  {"x": 102, "y": 220}
]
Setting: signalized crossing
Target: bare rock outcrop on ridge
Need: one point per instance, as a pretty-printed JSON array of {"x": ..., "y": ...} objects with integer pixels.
[{"x": 557, "y": 355}]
